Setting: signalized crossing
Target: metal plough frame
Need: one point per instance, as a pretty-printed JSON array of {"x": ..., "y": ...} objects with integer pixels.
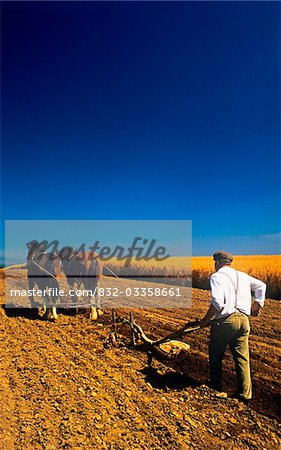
[{"x": 153, "y": 347}]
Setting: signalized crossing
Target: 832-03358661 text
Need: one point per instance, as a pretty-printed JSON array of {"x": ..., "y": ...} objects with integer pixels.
[{"x": 101, "y": 292}]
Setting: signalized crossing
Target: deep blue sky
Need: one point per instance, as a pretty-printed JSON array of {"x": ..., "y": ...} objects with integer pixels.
[{"x": 145, "y": 110}]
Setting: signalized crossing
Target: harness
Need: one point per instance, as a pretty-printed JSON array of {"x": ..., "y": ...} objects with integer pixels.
[
  {"x": 236, "y": 289},
  {"x": 42, "y": 268},
  {"x": 236, "y": 286}
]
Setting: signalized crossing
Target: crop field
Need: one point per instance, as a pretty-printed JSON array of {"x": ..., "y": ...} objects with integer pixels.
[
  {"x": 265, "y": 267},
  {"x": 65, "y": 385}
]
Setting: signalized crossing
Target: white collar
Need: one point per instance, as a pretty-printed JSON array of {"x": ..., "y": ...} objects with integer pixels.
[{"x": 224, "y": 267}]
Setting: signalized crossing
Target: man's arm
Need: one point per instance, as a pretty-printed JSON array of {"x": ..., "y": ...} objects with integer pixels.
[
  {"x": 217, "y": 302},
  {"x": 209, "y": 314},
  {"x": 258, "y": 287}
]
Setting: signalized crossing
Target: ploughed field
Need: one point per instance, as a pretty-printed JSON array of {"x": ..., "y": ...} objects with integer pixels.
[{"x": 64, "y": 385}]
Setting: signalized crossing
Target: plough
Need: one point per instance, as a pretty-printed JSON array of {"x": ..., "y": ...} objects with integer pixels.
[{"x": 169, "y": 349}]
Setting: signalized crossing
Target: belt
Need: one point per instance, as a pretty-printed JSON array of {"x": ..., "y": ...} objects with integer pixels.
[{"x": 235, "y": 313}]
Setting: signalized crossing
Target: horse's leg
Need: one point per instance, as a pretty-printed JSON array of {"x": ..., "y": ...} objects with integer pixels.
[
  {"x": 48, "y": 310},
  {"x": 33, "y": 305},
  {"x": 37, "y": 310},
  {"x": 54, "y": 298},
  {"x": 54, "y": 312},
  {"x": 93, "y": 309},
  {"x": 77, "y": 298},
  {"x": 51, "y": 311},
  {"x": 99, "y": 310},
  {"x": 72, "y": 282},
  {"x": 31, "y": 285},
  {"x": 44, "y": 309},
  {"x": 88, "y": 285},
  {"x": 76, "y": 286},
  {"x": 93, "y": 313}
]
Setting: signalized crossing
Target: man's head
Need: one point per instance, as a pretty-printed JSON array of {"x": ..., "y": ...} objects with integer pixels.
[{"x": 222, "y": 258}]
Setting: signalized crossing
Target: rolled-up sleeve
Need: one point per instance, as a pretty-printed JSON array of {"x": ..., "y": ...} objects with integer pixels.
[
  {"x": 217, "y": 293},
  {"x": 258, "y": 288}
]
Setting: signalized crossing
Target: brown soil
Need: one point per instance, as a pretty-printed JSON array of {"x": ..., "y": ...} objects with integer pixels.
[{"x": 64, "y": 386}]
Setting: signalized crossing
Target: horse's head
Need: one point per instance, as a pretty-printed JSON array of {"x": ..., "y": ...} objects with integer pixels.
[
  {"x": 66, "y": 255},
  {"x": 35, "y": 248}
]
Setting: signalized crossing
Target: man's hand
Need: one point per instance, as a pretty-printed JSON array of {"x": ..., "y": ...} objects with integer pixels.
[
  {"x": 255, "y": 309},
  {"x": 205, "y": 322}
]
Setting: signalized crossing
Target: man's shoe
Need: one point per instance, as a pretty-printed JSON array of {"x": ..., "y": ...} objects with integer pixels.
[{"x": 242, "y": 399}]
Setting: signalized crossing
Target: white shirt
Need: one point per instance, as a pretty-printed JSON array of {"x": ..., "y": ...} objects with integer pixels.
[{"x": 224, "y": 284}]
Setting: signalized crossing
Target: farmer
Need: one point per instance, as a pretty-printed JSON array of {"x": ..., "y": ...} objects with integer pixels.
[{"x": 231, "y": 306}]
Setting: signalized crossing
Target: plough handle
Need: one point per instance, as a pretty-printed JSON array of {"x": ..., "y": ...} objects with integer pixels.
[{"x": 186, "y": 329}]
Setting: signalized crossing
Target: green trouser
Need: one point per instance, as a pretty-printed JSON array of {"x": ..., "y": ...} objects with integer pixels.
[{"x": 233, "y": 331}]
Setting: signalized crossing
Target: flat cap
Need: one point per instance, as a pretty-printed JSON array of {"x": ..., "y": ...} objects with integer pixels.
[{"x": 222, "y": 256}]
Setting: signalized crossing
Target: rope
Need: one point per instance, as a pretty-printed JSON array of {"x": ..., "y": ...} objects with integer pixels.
[
  {"x": 121, "y": 280},
  {"x": 117, "y": 276},
  {"x": 53, "y": 276},
  {"x": 67, "y": 285},
  {"x": 44, "y": 270}
]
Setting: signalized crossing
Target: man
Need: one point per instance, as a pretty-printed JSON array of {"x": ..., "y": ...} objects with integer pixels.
[{"x": 231, "y": 304}]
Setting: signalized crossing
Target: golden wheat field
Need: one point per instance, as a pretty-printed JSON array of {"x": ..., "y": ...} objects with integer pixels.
[{"x": 265, "y": 267}]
